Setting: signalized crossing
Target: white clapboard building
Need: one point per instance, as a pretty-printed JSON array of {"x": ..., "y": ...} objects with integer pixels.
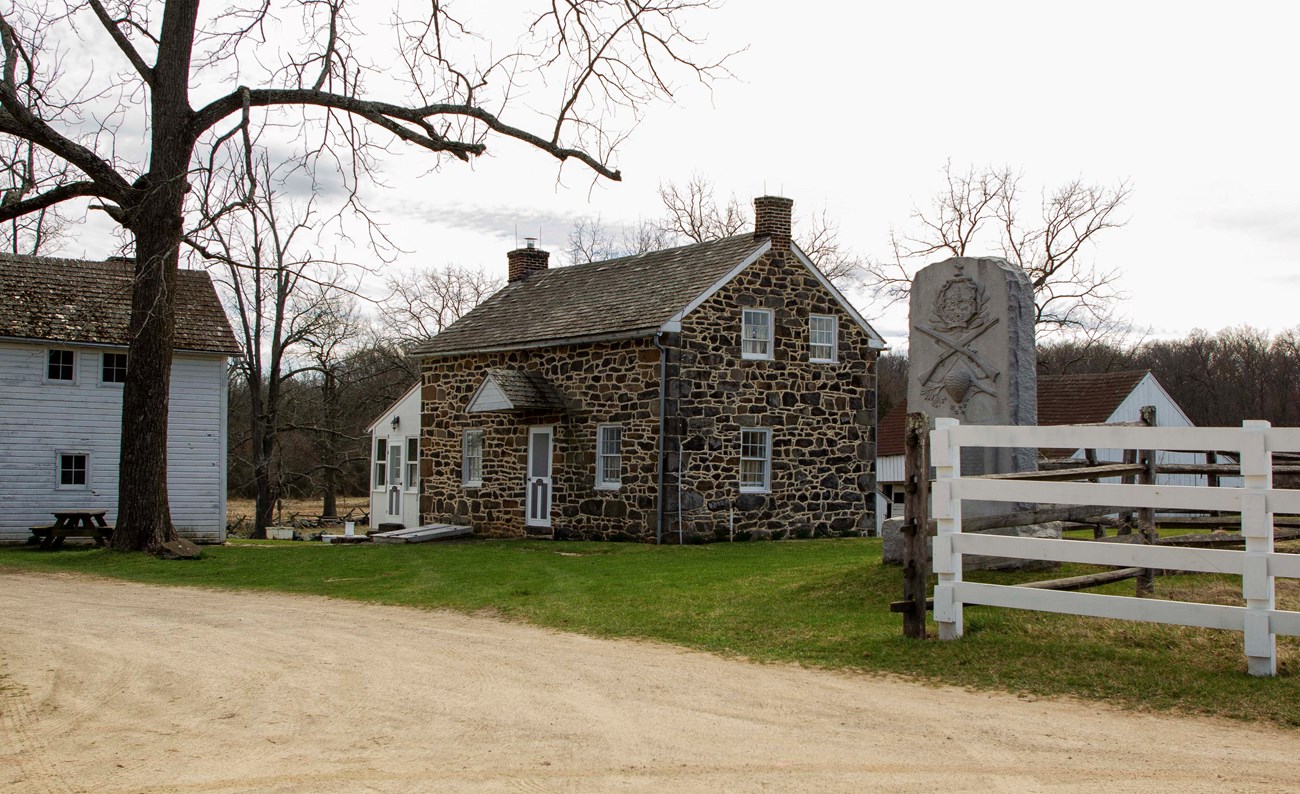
[
  {"x": 1088, "y": 398},
  {"x": 395, "y": 463},
  {"x": 63, "y": 359}
]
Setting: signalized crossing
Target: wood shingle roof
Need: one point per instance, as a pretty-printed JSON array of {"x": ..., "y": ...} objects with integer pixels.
[
  {"x": 74, "y": 300},
  {"x": 617, "y": 297}
]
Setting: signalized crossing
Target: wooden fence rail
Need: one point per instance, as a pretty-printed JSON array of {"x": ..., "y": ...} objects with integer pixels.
[{"x": 1256, "y": 500}]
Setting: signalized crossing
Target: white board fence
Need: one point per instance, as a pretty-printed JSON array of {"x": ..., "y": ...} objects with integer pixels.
[{"x": 1256, "y": 499}]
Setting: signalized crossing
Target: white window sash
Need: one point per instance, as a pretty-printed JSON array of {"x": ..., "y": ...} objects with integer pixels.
[
  {"x": 381, "y": 465},
  {"x": 756, "y": 334},
  {"x": 609, "y": 457},
  {"x": 823, "y": 339},
  {"x": 755, "y": 459},
  {"x": 471, "y": 462}
]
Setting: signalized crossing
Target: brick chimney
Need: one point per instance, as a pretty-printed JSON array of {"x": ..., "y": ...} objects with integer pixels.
[
  {"x": 772, "y": 219},
  {"x": 526, "y": 261}
]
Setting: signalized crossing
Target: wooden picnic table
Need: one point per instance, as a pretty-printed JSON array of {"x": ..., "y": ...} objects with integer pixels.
[{"x": 74, "y": 524}]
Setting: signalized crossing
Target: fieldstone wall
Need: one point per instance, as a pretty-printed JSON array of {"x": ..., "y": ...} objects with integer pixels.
[
  {"x": 822, "y": 416},
  {"x": 608, "y": 382}
]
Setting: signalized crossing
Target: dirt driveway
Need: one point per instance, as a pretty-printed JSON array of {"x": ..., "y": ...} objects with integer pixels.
[{"x": 114, "y": 687}]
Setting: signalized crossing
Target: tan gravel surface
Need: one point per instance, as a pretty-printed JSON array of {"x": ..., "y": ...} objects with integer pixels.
[{"x": 116, "y": 687}]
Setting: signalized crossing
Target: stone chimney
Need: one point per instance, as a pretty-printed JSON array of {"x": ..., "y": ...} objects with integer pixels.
[
  {"x": 772, "y": 219},
  {"x": 526, "y": 261}
]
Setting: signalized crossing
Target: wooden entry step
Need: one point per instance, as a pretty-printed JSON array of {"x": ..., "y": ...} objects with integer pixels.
[{"x": 422, "y": 534}]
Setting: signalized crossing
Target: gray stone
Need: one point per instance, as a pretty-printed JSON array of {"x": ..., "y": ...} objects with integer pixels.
[{"x": 972, "y": 357}]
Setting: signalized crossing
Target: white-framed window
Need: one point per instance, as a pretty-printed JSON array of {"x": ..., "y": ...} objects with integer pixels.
[
  {"x": 756, "y": 460},
  {"x": 609, "y": 456},
  {"x": 471, "y": 467},
  {"x": 412, "y": 463},
  {"x": 823, "y": 338},
  {"x": 756, "y": 333},
  {"x": 74, "y": 470},
  {"x": 112, "y": 368},
  {"x": 60, "y": 366},
  {"x": 381, "y": 463}
]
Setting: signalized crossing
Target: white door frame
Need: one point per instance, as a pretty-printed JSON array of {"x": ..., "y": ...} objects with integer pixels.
[
  {"x": 393, "y": 489},
  {"x": 539, "y": 487}
]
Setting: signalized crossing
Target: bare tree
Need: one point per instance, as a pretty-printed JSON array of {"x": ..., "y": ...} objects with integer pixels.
[
  {"x": 197, "y": 85},
  {"x": 421, "y": 304},
  {"x": 590, "y": 240},
  {"x": 983, "y": 208},
  {"x": 266, "y": 266}
]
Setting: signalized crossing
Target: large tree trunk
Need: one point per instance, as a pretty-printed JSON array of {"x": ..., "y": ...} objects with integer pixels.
[
  {"x": 263, "y": 428},
  {"x": 156, "y": 218}
]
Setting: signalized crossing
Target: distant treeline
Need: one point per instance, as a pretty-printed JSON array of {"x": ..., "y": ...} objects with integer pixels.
[{"x": 1219, "y": 379}]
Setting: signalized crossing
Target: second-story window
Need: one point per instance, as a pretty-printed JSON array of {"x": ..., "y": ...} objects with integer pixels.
[
  {"x": 113, "y": 368},
  {"x": 822, "y": 333},
  {"x": 756, "y": 334},
  {"x": 60, "y": 366}
]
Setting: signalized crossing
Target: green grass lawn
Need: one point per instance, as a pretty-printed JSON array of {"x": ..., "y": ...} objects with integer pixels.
[{"x": 820, "y": 603}]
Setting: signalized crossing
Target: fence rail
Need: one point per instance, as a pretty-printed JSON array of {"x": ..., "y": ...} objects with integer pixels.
[{"x": 1258, "y": 565}]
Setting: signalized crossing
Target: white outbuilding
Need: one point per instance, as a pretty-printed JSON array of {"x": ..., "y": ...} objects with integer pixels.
[
  {"x": 395, "y": 463},
  {"x": 63, "y": 360}
]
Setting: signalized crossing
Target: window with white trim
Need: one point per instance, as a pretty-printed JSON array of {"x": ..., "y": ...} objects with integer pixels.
[
  {"x": 412, "y": 463},
  {"x": 756, "y": 333},
  {"x": 59, "y": 366},
  {"x": 74, "y": 470},
  {"x": 112, "y": 368},
  {"x": 756, "y": 460},
  {"x": 381, "y": 463},
  {"x": 609, "y": 456},
  {"x": 471, "y": 467},
  {"x": 823, "y": 333}
]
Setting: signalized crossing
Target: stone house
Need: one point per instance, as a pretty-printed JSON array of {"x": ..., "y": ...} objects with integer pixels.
[{"x": 717, "y": 390}]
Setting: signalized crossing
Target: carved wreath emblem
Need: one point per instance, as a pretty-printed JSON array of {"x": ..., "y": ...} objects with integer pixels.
[{"x": 957, "y": 319}]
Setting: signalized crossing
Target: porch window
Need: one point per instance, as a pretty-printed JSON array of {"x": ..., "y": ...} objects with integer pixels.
[
  {"x": 472, "y": 463},
  {"x": 113, "y": 368},
  {"x": 822, "y": 333},
  {"x": 609, "y": 456},
  {"x": 412, "y": 463},
  {"x": 381, "y": 463},
  {"x": 59, "y": 366},
  {"x": 756, "y": 334},
  {"x": 74, "y": 469},
  {"x": 755, "y": 460}
]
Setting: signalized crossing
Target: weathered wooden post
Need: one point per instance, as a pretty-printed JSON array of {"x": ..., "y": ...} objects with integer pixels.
[
  {"x": 1146, "y": 516},
  {"x": 916, "y": 523}
]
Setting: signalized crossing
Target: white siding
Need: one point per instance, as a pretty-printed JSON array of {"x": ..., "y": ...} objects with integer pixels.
[
  {"x": 889, "y": 469},
  {"x": 38, "y": 419},
  {"x": 407, "y": 411}
]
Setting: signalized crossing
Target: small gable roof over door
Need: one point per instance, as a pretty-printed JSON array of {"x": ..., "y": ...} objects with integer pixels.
[{"x": 511, "y": 390}]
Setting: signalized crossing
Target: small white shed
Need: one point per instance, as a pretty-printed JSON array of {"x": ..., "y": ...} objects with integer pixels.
[{"x": 395, "y": 463}]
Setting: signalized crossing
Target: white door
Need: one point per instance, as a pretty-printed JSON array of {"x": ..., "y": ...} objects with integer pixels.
[
  {"x": 538, "y": 486},
  {"x": 395, "y": 480}
]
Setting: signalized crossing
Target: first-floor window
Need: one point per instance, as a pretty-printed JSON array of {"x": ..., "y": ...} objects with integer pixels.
[
  {"x": 472, "y": 462},
  {"x": 113, "y": 369},
  {"x": 381, "y": 463},
  {"x": 59, "y": 366},
  {"x": 413, "y": 462},
  {"x": 73, "y": 469},
  {"x": 609, "y": 456},
  {"x": 756, "y": 460}
]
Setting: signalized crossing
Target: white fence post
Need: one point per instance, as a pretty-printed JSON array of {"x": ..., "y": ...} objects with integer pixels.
[
  {"x": 1257, "y": 530},
  {"x": 946, "y": 458}
]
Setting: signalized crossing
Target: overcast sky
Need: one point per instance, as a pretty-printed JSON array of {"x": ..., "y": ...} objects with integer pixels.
[{"x": 853, "y": 108}]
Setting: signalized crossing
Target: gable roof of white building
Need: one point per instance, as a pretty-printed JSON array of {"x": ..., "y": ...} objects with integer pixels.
[{"x": 83, "y": 301}]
